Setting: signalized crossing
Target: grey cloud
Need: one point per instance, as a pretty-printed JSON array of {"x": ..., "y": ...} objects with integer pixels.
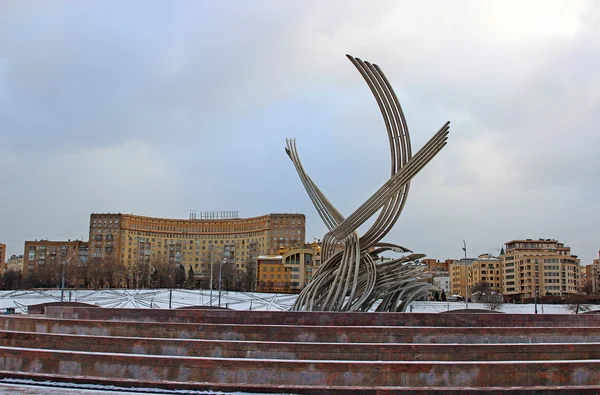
[{"x": 156, "y": 108}]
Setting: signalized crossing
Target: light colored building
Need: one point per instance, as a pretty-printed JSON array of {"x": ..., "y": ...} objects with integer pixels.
[
  {"x": 289, "y": 271},
  {"x": 15, "y": 263},
  {"x": 135, "y": 242},
  {"x": 442, "y": 283},
  {"x": 464, "y": 274},
  {"x": 459, "y": 275},
  {"x": 486, "y": 269},
  {"x": 545, "y": 265}
]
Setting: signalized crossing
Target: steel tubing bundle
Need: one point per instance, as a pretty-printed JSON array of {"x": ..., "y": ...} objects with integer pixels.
[{"x": 352, "y": 278}]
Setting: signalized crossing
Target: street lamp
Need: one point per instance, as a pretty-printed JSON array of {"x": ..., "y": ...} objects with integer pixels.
[
  {"x": 535, "y": 295},
  {"x": 221, "y": 278},
  {"x": 62, "y": 286}
]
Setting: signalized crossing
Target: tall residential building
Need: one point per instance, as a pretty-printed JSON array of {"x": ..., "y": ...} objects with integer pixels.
[
  {"x": 135, "y": 242},
  {"x": 545, "y": 265},
  {"x": 44, "y": 258}
]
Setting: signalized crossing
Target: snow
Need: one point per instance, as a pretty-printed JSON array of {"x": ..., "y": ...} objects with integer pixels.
[{"x": 162, "y": 298}]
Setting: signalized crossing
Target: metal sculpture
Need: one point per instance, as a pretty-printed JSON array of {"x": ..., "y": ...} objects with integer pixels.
[{"x": 351, "y": 278}]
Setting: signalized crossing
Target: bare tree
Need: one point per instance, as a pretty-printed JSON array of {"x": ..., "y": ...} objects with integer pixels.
[
  {"x": 482, "y": 287},
  {"x": 577, "y": 308},
  {"x": 493, "y": 301}
]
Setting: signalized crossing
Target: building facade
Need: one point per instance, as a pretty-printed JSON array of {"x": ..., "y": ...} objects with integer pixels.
[
  {"x": 459, "y": 276},
  {"x": 486, "y": 269},
  {"x": 2, "y": 254},
  {"x": 15, "y": 263},
  {"x": 46, "y": 260},
  {"x": 545, "y": 266},
  {"x": 289, "y": 271},
  {"x": 137, "y": 242},
  {"x": 436, "y": 267},
  {"x": 466, "y": 273},
  {"x": 442, "y": 283},
  {"x": 592, "y": 274}
]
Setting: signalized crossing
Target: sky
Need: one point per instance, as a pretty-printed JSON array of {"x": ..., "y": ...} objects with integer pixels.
[{"x": 156, "y": 108}]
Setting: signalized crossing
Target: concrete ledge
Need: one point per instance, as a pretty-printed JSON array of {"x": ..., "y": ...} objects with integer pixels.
[
  {"x": 41, "y": 308},
  {"x": 302, "y": 351},
  {"x": 241, "y": 372},
  {"x": 332, "y": 334},
  {"x": 326, "y": 318}
]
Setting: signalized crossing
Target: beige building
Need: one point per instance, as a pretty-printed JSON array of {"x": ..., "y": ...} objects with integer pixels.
[
  {"x": 134, "y": 242},
  {"x": 486, "y": 269},
  {"x": 289, "y": 271},
  {"x": 459, "y": 275},
  {"x": 15, "y": 263},
  {"x": 464, "y": 274},
  {"x": 545, "y": 265}
]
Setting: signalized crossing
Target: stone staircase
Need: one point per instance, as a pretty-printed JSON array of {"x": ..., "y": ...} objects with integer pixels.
[{"x": 285, "y": 352}]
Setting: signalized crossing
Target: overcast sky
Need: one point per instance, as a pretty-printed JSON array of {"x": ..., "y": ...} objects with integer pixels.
[{"x": 158, "y": 107}]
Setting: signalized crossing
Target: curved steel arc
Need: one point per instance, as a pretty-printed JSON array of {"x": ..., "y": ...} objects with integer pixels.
[{"x": 351, "y": 278}]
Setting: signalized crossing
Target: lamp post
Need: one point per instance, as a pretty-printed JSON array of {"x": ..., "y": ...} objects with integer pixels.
[
  {"x": 535, "y": 295},
  {"x": 221, "y": 278},
  {"x": 62, "y": 285}
]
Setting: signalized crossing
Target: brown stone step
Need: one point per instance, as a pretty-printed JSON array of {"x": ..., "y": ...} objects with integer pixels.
[
  {"x": 325, "y": 318},
  {"x": 331, "y": 334},
  {"x": 239, "y": 372},
  {"x": 302, "y": 351}
]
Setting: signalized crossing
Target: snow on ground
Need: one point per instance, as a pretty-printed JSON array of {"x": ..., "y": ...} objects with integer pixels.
[{"x": 163, "y": 298}]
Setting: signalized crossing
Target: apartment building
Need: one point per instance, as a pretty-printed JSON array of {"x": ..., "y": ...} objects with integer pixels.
[
  {"x": 459, "y": 276},
  {"x": 43, "y": 257},
  {"x": 436, "y": 267},
  {"x": 15, "y": 263},
  {"x": 486, "y": 268},
  {"x": 289, "y": 271},
  {"x": 134, "y": 241},
  {"x": 466, "y": 273},
  {"x": 544, "y": 265}
]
